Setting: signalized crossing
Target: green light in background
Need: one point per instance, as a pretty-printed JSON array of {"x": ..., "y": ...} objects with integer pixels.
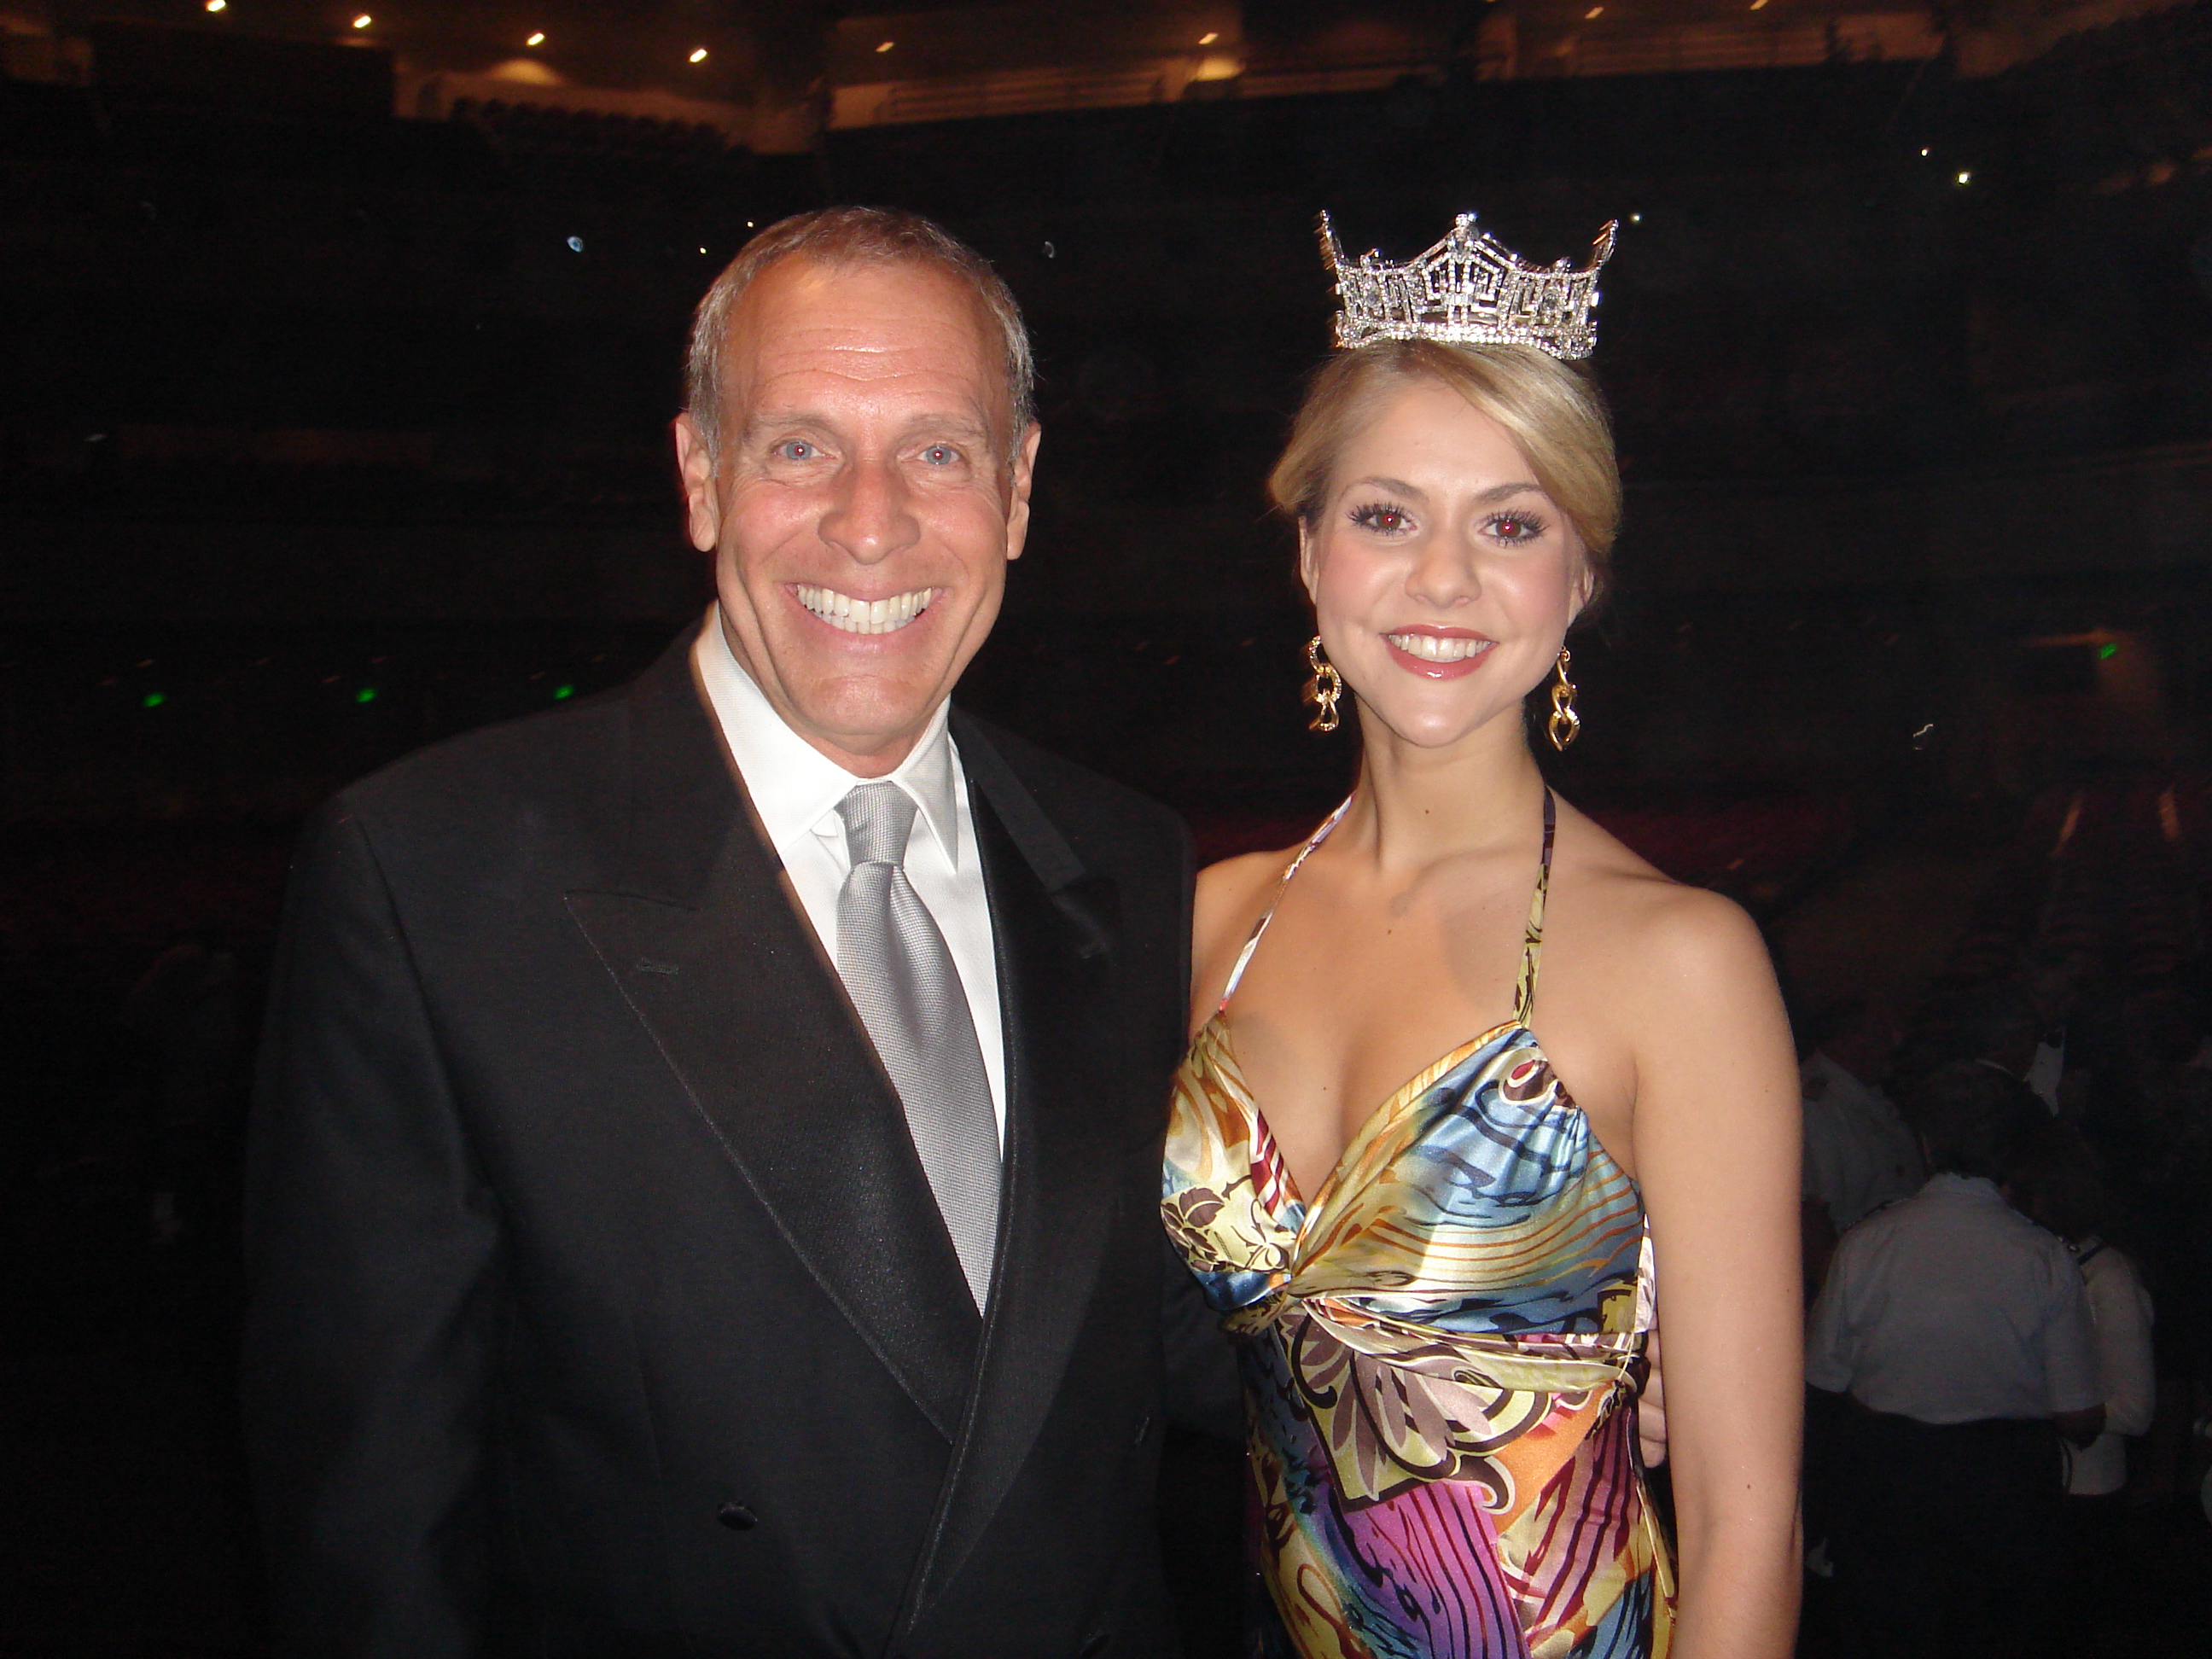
[
  {"x": 2106, "y": 652},
  {"x": 560, "y": 692},
  {"x": 367, "y": 694},
  {"x": 154, "y": 699}
]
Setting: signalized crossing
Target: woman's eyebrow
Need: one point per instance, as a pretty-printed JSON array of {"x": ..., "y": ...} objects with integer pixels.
[
  {"x": 1495, "y": 492},
  {"x": 1395, "y": 486}
]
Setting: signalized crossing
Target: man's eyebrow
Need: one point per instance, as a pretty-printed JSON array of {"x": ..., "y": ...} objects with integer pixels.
[
  {"x": 776, "y": 420},
  {"x": 759, "y": 422},
  {"x": 951, "y": 426}
]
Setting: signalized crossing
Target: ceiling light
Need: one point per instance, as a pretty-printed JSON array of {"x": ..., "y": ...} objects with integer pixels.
[
  {"x": 1966, "y": 178},
  {"x": 1208, "y": 38},
  {"x": 1924, "y": 150},
  {"x": 1759, "y": 5},
  {"x": 1593, "y": 14},
  {"x": 363, "y": 21},
  {"x": 537, "y": 40},
  {"x": 886, "y": 46},
  {"x": 698, "y": 54},
  {"x": 1635, "y": 218},
  {"x": 216, "y": 5}
]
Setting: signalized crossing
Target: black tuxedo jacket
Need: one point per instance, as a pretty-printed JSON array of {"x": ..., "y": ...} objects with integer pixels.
[{"x": 599, "y": 1303}]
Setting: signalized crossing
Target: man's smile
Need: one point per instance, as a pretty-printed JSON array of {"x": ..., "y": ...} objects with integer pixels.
[{"x": 851, "y": 616}]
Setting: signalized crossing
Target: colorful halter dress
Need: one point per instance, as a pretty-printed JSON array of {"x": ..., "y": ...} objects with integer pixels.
[{"x": 1442, "y": 1350}]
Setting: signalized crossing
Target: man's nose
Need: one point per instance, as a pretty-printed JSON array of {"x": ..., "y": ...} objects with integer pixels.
[{"x": 871, "y": 517}]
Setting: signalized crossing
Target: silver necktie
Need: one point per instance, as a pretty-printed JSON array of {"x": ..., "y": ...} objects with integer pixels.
[{"x": 902, "y": 978}]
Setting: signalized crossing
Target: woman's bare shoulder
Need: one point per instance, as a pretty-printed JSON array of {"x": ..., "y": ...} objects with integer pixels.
[
  {"x": 1234, "y": 890},
  {"x": 1654, "y": 921}
]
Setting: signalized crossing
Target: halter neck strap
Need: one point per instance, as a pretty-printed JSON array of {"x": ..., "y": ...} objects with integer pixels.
[
  {"x": 1532, "y": 945},
  {"x": 1252, "y": 938}
]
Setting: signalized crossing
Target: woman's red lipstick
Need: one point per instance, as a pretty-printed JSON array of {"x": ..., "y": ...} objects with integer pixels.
[{"x": 1477, "y": 645}]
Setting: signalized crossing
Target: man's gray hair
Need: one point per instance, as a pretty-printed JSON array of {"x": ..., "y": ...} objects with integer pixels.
[{"x": 845, "y": 236}]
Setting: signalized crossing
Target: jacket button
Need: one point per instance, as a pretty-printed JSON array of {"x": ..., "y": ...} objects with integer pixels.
[{"x": 736, "y": 1517}]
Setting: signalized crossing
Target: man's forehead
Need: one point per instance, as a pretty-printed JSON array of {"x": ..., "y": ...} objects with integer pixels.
[{"x": 801, "y": 319}]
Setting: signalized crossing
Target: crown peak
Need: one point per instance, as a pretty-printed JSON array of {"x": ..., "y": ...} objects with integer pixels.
[{"x": 1468, "y": 289}]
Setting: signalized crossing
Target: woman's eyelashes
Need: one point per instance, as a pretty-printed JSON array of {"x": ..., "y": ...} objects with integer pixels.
[
  {"x": 1512, "y": 527},
  {"x": 1515, "y": 527},
  {"x": 1382, "y": 517}
]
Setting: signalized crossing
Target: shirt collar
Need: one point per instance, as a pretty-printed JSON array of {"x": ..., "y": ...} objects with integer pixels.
[
  {"x": 1840, "y": 1076},
  {"x": 1951, "y": 1182},
  {"x": 795, "y": 787}
]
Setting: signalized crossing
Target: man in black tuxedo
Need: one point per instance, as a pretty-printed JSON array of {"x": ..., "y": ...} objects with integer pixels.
[{"x": 681, "y": 1222}]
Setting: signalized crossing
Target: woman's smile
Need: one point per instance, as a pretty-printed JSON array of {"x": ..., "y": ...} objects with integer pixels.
[{"x": 1438, "y": 653}]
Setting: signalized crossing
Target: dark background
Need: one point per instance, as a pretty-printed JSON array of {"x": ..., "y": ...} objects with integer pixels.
[{"x": 326, "y": 431}]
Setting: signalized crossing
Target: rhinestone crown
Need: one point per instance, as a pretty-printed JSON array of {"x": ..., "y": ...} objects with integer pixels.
[{"x": 1469, "y": 289}]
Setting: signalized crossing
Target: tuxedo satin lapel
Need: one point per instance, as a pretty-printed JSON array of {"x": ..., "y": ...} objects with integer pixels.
[
  {"x": 1066, "y": 1136},
  {"x": 729, "y": 979}
]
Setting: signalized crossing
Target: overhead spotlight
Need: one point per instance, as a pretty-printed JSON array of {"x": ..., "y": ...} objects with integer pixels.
[
  {"x": 363, "y": 21},
  {"x": 885, "y": 45},
  {"x": 1759, "y": 5},
  {"x": 537, "y": 40},
  {"x": 1209, "y": 37},
  {"x": 1966, "y": 178},
  {"x": 698, "y": 54},
  {"x": 1635, "y": 218},
  {"x": 218, "y": 5},
  {"x": 1924, "y": 150},
  {"x": 1594, "y": 14}
]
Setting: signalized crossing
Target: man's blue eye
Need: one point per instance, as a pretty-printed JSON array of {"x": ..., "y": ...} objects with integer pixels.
[
  {"x": 795, "y": 449},
  {"x": 940, "y": 455}
]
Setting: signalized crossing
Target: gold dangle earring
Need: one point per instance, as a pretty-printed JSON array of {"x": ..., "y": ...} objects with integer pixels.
[
  {"x": 1564, "y": 725},
  {"x": 1322, "y": 691}
]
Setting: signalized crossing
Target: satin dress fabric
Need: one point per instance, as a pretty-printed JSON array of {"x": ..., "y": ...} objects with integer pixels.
[{"x": 1442, "y": 1350}]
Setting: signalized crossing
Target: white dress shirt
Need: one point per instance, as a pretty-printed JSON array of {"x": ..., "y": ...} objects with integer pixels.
[
  {"x": 2120, "y": 1308},
  {"x": 795, "y": 789},
  {"x": 1952, "y": 1306},
  {"x": 2045, "y": 1070},
  {"x": 1859, "y": 1155}
]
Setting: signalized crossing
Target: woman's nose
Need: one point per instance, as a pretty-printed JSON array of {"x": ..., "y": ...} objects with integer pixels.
[{"x": 1443, "y": 573}]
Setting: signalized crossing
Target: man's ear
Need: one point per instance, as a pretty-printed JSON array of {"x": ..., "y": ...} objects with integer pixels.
[
  {"x": 1021, "y": 476},
  {"x": 694, "y": 467}
]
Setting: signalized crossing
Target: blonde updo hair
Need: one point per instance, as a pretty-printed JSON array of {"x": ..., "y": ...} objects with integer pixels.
[{"x": 1552, "y": 410}]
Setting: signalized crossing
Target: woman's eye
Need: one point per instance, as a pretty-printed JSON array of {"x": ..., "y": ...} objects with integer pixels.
[
  {"x": 1515, "y": 527},
  {"x": 1385, "y": 521}
]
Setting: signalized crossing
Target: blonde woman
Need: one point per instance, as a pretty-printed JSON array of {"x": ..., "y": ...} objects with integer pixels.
[{"x": 1474, "y": 1094}]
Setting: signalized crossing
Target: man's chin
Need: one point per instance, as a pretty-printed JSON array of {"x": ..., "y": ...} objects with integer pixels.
[{"x": 877, "y": 729}]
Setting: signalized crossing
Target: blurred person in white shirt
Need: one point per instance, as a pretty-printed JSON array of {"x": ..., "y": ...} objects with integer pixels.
[
  {"x": 2057, "y": 1180},
  {"x": 1859, "y": 1153},
  {"x": 1954, "y": 1345}
]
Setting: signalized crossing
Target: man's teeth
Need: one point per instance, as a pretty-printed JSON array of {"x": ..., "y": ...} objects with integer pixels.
[
  {"x": 842, "y": 610},
  {"x": 1428, "y": 649}
]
